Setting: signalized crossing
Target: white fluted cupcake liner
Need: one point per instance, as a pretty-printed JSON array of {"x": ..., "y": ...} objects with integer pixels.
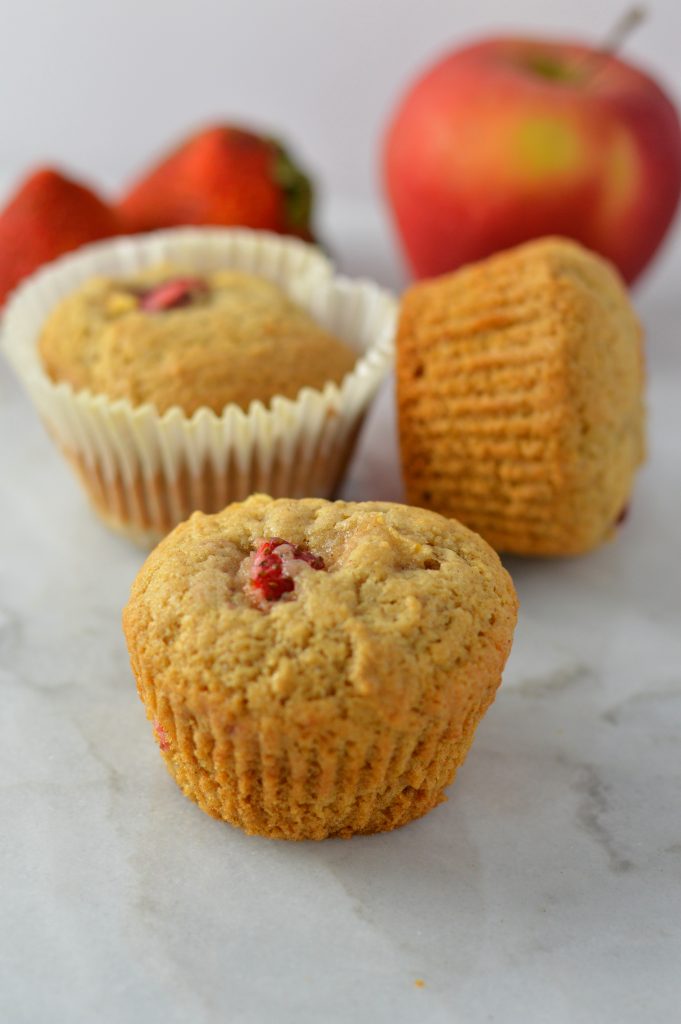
[{"x": 145, "y": 472}]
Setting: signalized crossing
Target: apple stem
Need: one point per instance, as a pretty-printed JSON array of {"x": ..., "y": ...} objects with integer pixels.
[
  {"x": 612, "y": 43},
  {"x": 623, "y": 27}
]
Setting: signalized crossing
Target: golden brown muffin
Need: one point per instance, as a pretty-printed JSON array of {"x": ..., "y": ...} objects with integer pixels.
[
  {"x": 169, "y": 338},
  {"x": 315, "y": 668},
  {"x": 519, "y": 383}
]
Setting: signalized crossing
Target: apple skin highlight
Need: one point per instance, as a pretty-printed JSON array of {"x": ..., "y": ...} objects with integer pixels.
[{"x": 510, "y": 139}]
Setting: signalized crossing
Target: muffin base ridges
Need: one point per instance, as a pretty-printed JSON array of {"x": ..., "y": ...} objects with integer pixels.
[
  {"x": 268, "y": 783},
  {"x": 519, "y": 393}
]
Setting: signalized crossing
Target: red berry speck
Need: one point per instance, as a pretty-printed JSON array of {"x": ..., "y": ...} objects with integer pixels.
[
  {"x": 178, "y": 291},
  {"x": 623, "y": 516},
  {"x": 269, "y": 572},
  {"x": 161, "y": 736}
]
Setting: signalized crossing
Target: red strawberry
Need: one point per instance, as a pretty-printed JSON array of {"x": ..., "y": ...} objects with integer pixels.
[
  {"x": 273, "y": 569},
  {"x": 48, "y": 216},
  {"x": 172, "y": 294},
  {"x": 223, "y": 176}
]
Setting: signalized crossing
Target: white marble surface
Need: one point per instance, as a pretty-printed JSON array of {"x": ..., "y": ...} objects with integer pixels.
[{"x": 547, "y": 889}]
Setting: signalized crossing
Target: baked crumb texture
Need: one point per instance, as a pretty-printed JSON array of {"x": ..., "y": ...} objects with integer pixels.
[
  {"x": 232, "y": 338},
  {"x": 520, "y": 383},
  {"x": 347, "y": 705}
]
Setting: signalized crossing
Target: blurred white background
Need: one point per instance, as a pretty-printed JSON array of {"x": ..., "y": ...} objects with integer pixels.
[{"x": 101, "y": 87}]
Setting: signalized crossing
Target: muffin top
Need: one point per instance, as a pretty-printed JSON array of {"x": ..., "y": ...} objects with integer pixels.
[
  {"x": 281, "y": 605},
  {"x": 169, "y": 338}
]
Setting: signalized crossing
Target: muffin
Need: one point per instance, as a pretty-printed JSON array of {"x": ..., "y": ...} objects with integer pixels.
[
  {"x": 189, "y": 368},
  {"x": 168, "y": 337},
  {"x": 520, "y": 397},
  {"x": 315, "y": 668}
]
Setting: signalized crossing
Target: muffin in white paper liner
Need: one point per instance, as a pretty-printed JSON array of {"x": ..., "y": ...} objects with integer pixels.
[{"x": 145, "y": 472}]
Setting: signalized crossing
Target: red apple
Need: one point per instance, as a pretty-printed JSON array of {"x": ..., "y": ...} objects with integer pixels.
[{"x": 510, "y": 139}]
